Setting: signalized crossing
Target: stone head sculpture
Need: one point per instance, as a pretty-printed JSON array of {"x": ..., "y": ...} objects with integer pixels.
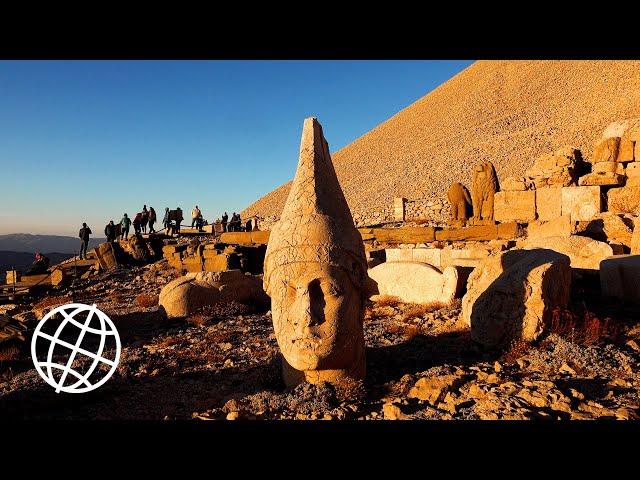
[{"x": 315, "y": 271}]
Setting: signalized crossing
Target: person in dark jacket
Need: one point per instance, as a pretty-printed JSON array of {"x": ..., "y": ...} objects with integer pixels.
[
  {"x": 110, "y": 232},
  {"x": 145, "y": 219},
  {"x": 225, "y": 219},
  {"x": 39, "y": 265},
  {"x": 84, "y": 238},
  {"x": 248, "y": 226},
  {"x": 179, "y": 219},
  {"x": 166, "y": 222},
  {"x": 125, "y": 224},
  {"x": 152, "y": 220},
  {"x": 137, "y": 221}
]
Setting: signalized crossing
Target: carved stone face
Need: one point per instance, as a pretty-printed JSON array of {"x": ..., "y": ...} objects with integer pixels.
[{"x": 317, "y": 315}]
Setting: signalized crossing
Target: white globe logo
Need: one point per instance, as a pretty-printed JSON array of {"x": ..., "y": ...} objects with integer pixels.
[{"x": 61, "y": 377}]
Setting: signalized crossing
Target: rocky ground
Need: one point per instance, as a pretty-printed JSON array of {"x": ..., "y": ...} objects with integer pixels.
[{"x": 223, "y": 363}]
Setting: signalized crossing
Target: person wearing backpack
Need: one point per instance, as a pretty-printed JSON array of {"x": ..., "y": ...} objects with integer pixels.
[{"x": 84, "y": 237}]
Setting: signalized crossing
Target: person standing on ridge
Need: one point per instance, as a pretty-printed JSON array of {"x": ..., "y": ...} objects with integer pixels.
[
  {"x": 144, "y": 219},
  {"x": 225, "y": 218},
  {"x": 137, "y": 220},
  {"x": 84, "y": 237},
  {"x": 110, "y": 232},
  {"x": 179, "y": 219},
  {"x": 125, "y": 224},
  {"x": 195, "y": 215},
  {"x": 166, "y": 222},
  {"x": 152, "y": 220}
]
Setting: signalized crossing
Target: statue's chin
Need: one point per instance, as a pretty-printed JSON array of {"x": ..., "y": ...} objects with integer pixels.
[{"x": 303, "y": 360}]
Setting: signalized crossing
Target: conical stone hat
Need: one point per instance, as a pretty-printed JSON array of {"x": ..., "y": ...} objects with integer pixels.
[{"x": 316, "y": 224}]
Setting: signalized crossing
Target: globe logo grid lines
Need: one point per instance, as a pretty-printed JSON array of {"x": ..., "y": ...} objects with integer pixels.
[{"x": 47, "y": 368}]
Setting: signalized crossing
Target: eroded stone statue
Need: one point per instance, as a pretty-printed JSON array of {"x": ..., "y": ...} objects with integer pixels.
[
  {"x": 460, "y": 201},
  {"x": 485, "y": 185},
  {"x": 315, "y": 271}
]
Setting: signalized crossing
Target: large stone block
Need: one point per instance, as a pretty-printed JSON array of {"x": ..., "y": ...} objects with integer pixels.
[
  {"x": 607, "y": 227},
  {"x": 585, "y": 253},
  {"x": 192, "y": 264},
  {"x": 510, "y": 297},
  {"x": 509, "y": 231},
  {"x": 463, "y": 257},
  {"x": 260, "y": 236},
  {"x": 624, "y": 200},
  {"x": 620, "y": 277},
  {"x": 236, "y": 238},
  {"x": 608, "y": 167},
  {"x": 422, "y": 255},
  {"x": 581, "y": 203},
  {"x": 625, "y": 151},
  {"x": 398, "y": 209},
  {"x": 515, "y": 206},
  {"x": 606, "y": 150},
  {"x": 479, "y": 233},
  {"x": 415, "y": 282},
  {"x": 548, "y": 203},
  {"x": 404, "y": 235},
  {"x": 561, "y": 226},
  {"x": 603, "y": 179}
]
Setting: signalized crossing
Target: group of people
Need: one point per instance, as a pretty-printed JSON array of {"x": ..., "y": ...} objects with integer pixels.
[
  {"x": 171, "y": 222},
  {"x": 140, "y": 222},
  {"x": 235, "y": 225}
]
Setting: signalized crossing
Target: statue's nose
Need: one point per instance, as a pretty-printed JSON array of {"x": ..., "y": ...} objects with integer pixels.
[{"x": 304, "y": 319}]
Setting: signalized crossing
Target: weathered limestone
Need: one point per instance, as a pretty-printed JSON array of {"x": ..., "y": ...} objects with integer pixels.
[
  {"x": 635, "y": 237},
  {"x": 511, "y": 296},
  {"x": 460, "y": 201},
  {"x": 503, "y": 231},
  {"x": 463, "y": 257},
  {"x": 625, "y": 199},
  {"x": 602, "y": 178},
  {"x": 398, "y": 209},
  {"x": 620, "y": 277},
  {"x": 185, "y": 295},
  {"x": 414, "y": 282},
  {"x": 106, "y": 255},
  {"x": 245, "y": 238},
  {"x": 607, "y": 227},
  {"x": 515, "y": 206},
  {"x": 632, "y": 170},
  {"x": 402, "y": 235},
  {"x": 548, "y": 203},
  {"x": 485, "y": 185},
  {"x": 585, "y": 253},
  {"x": 606, "y": 150},
  {"x": 421, "y": 255},
  {"x": 559, "y": 168},
  {"x": 514, "y": 184},
  {"x": 315, "y": 272},
  {"x": 561, "y": 226},
  {"x": 581, "y": 203}
]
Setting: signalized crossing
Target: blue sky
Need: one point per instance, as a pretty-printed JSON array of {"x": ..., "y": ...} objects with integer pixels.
[{"x": 90, "y": 140}]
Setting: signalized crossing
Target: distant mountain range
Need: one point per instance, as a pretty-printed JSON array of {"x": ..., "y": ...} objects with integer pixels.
[{"x": 24, "y": 242}]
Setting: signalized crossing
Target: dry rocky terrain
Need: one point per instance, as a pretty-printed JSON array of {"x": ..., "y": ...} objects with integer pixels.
[
  {"x": 507, "y": 112},
  {"x": 222, "y": 363}
]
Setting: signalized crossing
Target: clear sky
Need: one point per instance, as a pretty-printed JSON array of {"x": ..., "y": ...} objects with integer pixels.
[{"x": 90, "y": 140}]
